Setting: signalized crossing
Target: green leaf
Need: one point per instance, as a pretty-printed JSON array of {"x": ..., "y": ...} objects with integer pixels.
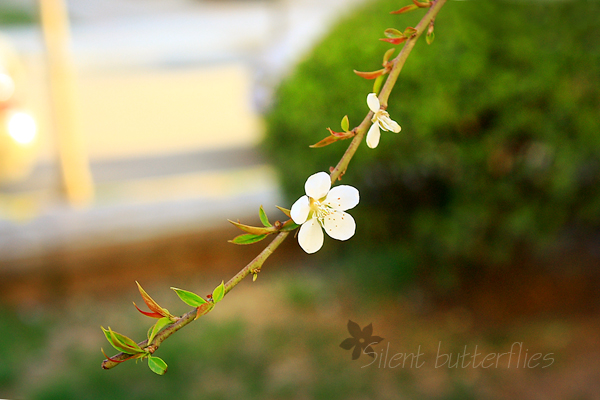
[
  {"x": 127, "y": 344},
  {"x": 408, "y": 32},
  {"x": 157, "y": 365},
  {"x": 387, "y": 55},
  {"x": 121, "y": 342},
  {"x": 189, "y": 298},
  {"x": 263, "y": 217},
  {"x": 247, "y": 238},
  {"x": 219, "y": 292},
  {"x": 289, "y": 226},
  {"x": 393, "y": 33},
  {"x": 107, "y": 334},
  {"x": 378, "y": 84},
  {"x": 429, "y": 38},
  {"x": 345, "y": 123},
  {"x": 285, "y": 211},
  {"x": 255, "y": 230},
  {"x": 157, "y": 327}
]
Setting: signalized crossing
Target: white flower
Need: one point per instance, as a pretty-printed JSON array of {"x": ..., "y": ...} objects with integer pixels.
[
  {"x": 322, "y": 207},
  {"x": 381, "y": 119}
]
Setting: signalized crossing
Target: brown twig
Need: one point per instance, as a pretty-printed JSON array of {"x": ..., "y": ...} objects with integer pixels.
[{"x": 340, "y": 168}]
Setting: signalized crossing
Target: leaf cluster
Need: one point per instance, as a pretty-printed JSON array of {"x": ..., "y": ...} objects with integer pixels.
[{"x": 499, "y": 148}]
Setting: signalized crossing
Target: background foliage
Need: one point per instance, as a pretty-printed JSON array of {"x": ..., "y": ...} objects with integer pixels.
[{"x": 499, "y": 148}]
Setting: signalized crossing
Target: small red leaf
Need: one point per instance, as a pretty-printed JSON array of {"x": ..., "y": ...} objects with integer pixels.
[
  {"x": 369, "y": 75},
  {"x": 204, "y": 308},
  {"x": 393, "y": 33},
  {"x": 422, "y": 4},
  {"x": 394, "y": 40},
  {"x": 148, "y": 314},
  {"x": 326, "y": 142},
  {"x": 405, "y": 9},
  {"x": 152, "y": 305},
  {"x": 342, "y": 135}
]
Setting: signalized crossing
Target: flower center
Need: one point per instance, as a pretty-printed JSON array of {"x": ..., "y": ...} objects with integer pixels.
[
  {"x": 380, "y": 115},
  {"x": 319, "y": 209}
]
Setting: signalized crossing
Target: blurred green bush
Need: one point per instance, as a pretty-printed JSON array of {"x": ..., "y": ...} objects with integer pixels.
[
  {"x": 500, "y": 143},
  {"x": 11, "y": 14}
]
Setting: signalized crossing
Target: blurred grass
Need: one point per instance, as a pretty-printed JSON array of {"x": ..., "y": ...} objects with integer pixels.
[{"x": 279, "y": 339}]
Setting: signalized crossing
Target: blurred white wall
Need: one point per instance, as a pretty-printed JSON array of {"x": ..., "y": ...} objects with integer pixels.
[{"x": 169, "y": 91}]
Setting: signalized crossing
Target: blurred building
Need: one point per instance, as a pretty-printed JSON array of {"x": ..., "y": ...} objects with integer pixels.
[{"x": 167, "y": 100}]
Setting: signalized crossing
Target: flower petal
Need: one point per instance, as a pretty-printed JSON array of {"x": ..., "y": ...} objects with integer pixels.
[
  {"x": 356, "y": 352},
  {"x": 354, "y": 329},
  {"x": 339, "y": 225},
  {"x": 310, "y": 236},
  {"x": 373, "y": 102},
  {"x": 317, "y": 185},
  {"x": 300, "y": 210},
  {"x": 349, "y": 343},
  {"x": 373, "y": 136},
  {"x": 343, "y": 197},
  {"x": 389, "y": 124}
]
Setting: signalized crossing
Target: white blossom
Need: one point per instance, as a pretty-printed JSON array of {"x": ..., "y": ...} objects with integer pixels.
[
  {"x": 381, "y": 120},
  {"x": 324, "y": 208}
]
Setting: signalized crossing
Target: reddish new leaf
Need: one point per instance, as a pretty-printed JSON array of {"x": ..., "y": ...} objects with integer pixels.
[
  {"x": 369, "y": 75},
  {"x": 394, "y": 40},
  {"x": 327, "y": 141},
  {"x": 406, "y": 9},
  {"x": 153, "y": 305},
  {"x": 147, "y": 313},
  {"x": 422, "y": 4}
]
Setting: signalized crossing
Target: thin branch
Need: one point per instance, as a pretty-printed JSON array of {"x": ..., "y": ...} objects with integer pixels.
[
  {"x": 256, "y": 264},
  {"x": 386, "y": 89},
  {"x": 408, "y": 46},
  {"x": 192, "y": 315}
]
